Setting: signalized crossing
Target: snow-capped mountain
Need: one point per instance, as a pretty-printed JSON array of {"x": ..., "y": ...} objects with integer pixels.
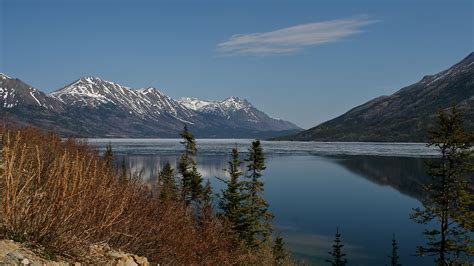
[
  {"x": 236, "y": 111},
  {"x": 149, "y": 103},
  {"x": 224, "y": 108},
  {"x": 194, "y": 103},
  {"x": 14, "y": 92},
  {"x": 91, "y": 106}
]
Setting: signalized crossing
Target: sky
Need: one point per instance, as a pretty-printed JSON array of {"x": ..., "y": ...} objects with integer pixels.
[{"x": 302, "y": 61}]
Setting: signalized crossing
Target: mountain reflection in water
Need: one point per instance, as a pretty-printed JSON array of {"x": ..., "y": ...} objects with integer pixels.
[
  {"x": 405, "y": 174},
  {"x": 369, "y": 197}
]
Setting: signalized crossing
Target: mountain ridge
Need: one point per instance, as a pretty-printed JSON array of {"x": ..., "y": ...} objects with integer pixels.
[
  {"x": 91, "y": 106},
  {"x": 404, "y": 116}
]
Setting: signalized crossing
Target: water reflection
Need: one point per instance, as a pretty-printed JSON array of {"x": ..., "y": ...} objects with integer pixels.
[
  {"x": 368, "y": 197},
  {"x": 406, "y": 175},
  {"x": 149, "y": 166}
]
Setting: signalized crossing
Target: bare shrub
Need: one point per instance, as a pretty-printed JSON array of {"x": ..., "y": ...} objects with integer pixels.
[{"x": 61, "y": 195}]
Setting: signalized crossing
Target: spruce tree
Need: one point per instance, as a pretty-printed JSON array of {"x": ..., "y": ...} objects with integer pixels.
[
  {"x": 167, "y": 183},
  {"x": 207, "y": 192},
  {"x": 336, "y": 253},
  {"x": 123, "y": 172},
  {"x": 206, "y": 200},
  {"x": 108, "y": 156},
  {"x": 447, "y": 212},
  {"x": 280, "y": 255},
  {"x": 394, "y": 256},
  {"x": 191, "y": 180},
  {"x": 259, "y": 217},
  {"x": 232, "y": 200},
  {"x": 197, "y": 189}
]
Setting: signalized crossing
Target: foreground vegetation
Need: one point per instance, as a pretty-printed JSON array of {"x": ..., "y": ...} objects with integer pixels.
[{"x": 64, "y": 196}]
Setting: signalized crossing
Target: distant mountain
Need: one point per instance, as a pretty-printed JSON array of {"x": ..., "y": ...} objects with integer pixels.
[
  {"x": 405, "y": 115},
  {"x": 92, "y": 107},
  {"x": 236, "y": 112},
  {"x": 14, "y": 92},
  {"x": 149, "y": 103}
]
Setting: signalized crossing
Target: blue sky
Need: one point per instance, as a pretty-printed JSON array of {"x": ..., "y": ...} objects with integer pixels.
[{"x": 304, "y": 61}]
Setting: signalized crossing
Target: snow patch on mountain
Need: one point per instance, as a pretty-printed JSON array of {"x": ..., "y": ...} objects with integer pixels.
[
  {"x": 8, "y": 97},
  {"x": 194, "y": 103},
  {"x": 223, "y": 108},
  {"x": 4, "y": 76},
  {"x": 32, "y": 93}
]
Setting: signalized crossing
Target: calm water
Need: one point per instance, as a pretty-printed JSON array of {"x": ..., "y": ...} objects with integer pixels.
[{"x": 366, "y": 189}]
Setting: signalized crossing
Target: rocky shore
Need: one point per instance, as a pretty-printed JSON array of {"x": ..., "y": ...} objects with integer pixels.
[{"x": 13, "y": 253}]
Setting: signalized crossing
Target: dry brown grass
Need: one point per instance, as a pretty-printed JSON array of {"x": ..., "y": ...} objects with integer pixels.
[{"x": 60, "y": 195}]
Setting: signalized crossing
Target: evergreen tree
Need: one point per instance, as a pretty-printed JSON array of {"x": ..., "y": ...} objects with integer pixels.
[
  {"x": 280, "y": 255},
  {"x": 449, "y": 206},
  {"x": 205, "y": 212},
  {"x": 232, "y": 199},
  {"x": 123, "y": 172},
  {"x": 207, "y": 192},
  {"x": 259, "y": 218},
  {"x": 336, "y": 253},
  {"x": 167, "y": 183},
  {"x": 206, "y": 201},
  {"x": 191, "y": 180},
  {"x": 108, "y": 156},
  {"x": 394, "y": 257},
  {"x": 197, "y": 189}
]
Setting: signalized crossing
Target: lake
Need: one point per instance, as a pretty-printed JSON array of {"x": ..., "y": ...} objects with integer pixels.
[{"x": 365, "y": 189}]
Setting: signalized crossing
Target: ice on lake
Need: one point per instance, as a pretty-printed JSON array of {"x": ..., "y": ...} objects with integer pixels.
[{"x": 223, "y": 146}]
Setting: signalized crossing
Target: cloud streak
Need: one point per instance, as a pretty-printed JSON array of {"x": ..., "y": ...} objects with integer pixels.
[{"x": 292, "y": 39}]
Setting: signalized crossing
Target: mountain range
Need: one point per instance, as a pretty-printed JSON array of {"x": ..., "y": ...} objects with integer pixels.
[
  {"x": 93, "y": 107},
  {"x": 406, "y": 115}
]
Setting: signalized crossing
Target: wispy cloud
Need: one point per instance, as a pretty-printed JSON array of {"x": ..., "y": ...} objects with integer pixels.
[{"x": 292, "y": 39}]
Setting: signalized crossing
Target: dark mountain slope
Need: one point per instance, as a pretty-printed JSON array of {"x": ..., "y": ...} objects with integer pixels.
[
  {"x": 14, "y": 92},
  {"x": 405, "y": 115}
]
